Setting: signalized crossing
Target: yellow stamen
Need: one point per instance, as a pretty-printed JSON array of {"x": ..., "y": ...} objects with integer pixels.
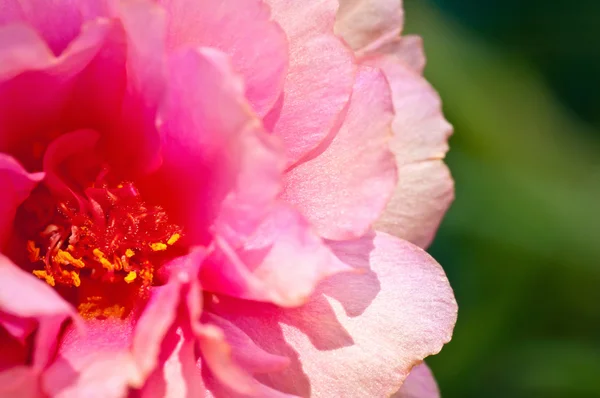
[
  {"x": 129, "y": 253},
  {"x": 100, "y": 258},
  {"x": 174, "y": 238},
  {"x": 65, "y": 258},
  {"x": 75, "y": 278},
  {"x": 158, "y": 246},
  {"x": 130, "y": 277},
  {"x": 34, "y": 252},
  {"x": 44, "y": 275}
]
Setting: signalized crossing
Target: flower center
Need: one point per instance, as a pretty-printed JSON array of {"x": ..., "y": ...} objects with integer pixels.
[{"x": 112, "y": 241}]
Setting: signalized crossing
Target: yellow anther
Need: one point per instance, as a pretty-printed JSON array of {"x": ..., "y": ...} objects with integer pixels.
[
  {"x": 100, "y": 258},
  {"x": 65, "y": 258},
  {"x": 44, "y": 275},
  {"x": 129, "y": 253},
  {"x": 157, "y": 247},
  {"x": 120, "y": 186},
  {"x": 130, "y": 277},
  {"x": 174, "y": 238},
  {"x": 34, "y": 252},
  {"x": 75, "y": 278}
]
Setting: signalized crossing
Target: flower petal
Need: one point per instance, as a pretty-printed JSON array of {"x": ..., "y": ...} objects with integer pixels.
[
  {"x": 59, "y": 23},
  {"x": 344, "y": 189},
  {"x": 319, "y": 79},
  {"x": 219, "y": 167},
  {"x": 372, "y": 328},
  {"x": 366, "y": 24},
  {"x": 23, "y": 296},
  {"x": 32, "y": 117},
  {"x": 425, "y": 189},
  {"x": 408, "y": 49},
  {"x": 243, "y": 30},
  {"x": 419, "y": 384},
  {"x": 281, "y": 262},
  {"x": 16, "y": 185}
]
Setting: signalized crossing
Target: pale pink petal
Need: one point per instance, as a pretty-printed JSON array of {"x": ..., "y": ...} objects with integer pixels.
[
  {"x": 178, "y": 376},
  {"x": 219, "y": 167},
  {"x": 16, "y": 185},
  {"x": 102, "y": 375},
  {"x": 245, "y": 352},
  {"x": 408, "y": 49},
  {"x": 366, "y": 24},
  {"x": 281, "y": 262},
  {"x": 243, "y": 30},
  {"x": 371, "y": 328},
  {"x": 419, "y": 384},
  {"x": 226, "y": 378},
  {"x": 344, "y": 189},
  {"x": 23, "y": 296},
  {"x": 425, "y": 189},
  {"x": 320, "y": 76}
]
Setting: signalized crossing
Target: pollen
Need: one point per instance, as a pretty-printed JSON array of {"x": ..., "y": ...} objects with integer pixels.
[
  {"x": 174, "y": 238},
  {"x": 108, "y": 244},
  {"x": 130, "y": 277},
  {"x": 75, "y": 278},
  {"x": 44, "y": 275},
  {"x": 102, "y": 260},
  {"x": 158, "y": 247},
  {"x": 66, "y": 258}
]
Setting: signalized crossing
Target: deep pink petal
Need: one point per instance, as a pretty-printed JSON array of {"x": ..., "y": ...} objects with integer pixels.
[
  {"x": 419, "y": 384},
  {"x": 319, "y": 79},
  {"x": 219, "y": 167},
  {"x": 425, "y": 189},
  {"x": 20, "y": 381},
  {"x": 281, "y": 262},
  {"x": 366, "y": 24},
  {"x": 344, "y": 189},
  {"x": 23, "y": 296},
  {"x": 33, "y": 116},
  {"x": 16, "y": 185},
  {"x": 132, "y": 140},
  {"x": 372, "y": 328},
  {"x": 242, "y": 29}
]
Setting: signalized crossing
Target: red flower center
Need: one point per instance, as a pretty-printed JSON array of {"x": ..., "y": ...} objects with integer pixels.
[{"x": 107, "y": 246}]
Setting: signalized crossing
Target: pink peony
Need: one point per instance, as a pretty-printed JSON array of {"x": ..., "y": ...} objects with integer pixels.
[{"x": 191, "y": 193}]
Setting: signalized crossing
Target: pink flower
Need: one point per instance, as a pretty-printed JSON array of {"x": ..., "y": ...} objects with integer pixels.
[{"x": 189, "y": 195}]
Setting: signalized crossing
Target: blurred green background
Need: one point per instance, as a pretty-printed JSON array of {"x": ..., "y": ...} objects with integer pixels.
[{"x": 520, "y": 82}]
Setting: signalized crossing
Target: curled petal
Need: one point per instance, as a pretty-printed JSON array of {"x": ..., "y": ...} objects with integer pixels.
[
  {"x": 281, "y": 262},
  {"x": 371, "y": 327},
  {"x": 217, "y": 161},
  {"x": 242, "y": 29},
  {"x": 425, "y": 189},
  {"x": 319, "y": 79},
  {"x": 419, "y": 384},
  {"x": 24, "y": 297},
  {"x": 343, "y": 189},
  {"x": 17, "y": 184}
]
